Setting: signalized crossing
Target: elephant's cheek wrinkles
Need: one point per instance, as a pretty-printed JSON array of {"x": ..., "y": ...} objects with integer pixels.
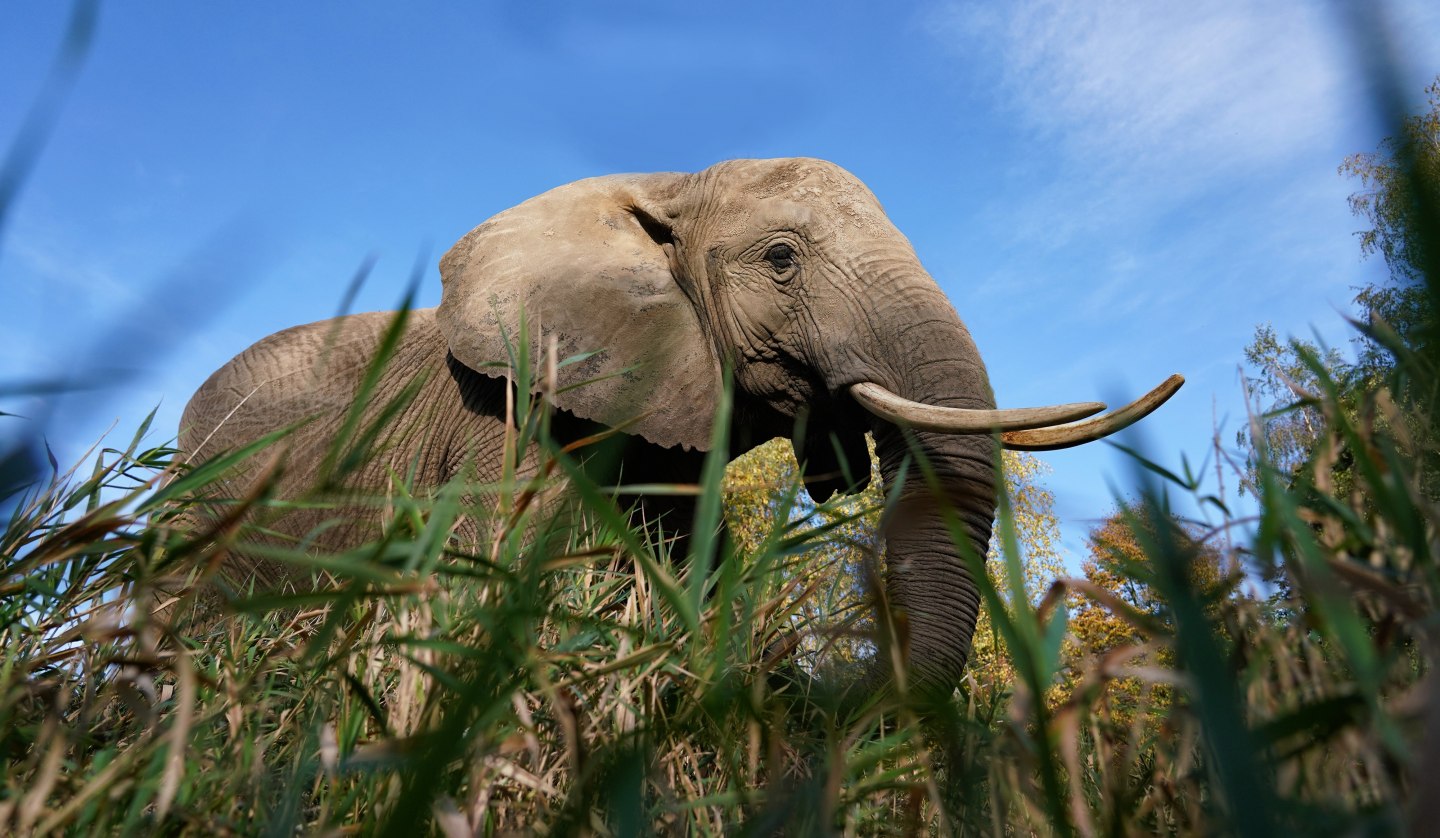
[{"x": 753, "y": 324}]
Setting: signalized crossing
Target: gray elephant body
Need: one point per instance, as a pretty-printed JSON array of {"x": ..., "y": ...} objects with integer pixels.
[
  {"x": 787, "y": 272},
  {"x": 453, "y": 426}
]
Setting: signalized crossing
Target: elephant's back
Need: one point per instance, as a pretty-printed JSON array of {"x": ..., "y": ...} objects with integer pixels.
[
  {"x": 308, "y": 376},
  {"x": 312, "y": 370}
]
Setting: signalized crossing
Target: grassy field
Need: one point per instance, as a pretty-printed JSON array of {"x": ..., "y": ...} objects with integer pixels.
[{"x": 585, "y": 680}]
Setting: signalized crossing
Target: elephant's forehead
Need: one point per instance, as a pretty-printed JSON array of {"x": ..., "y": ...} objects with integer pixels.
[{"x": 834, "y": 197}]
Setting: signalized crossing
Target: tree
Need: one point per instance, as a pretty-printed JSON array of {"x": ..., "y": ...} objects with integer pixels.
[
  {"x": 1388, "y": 200},
  {"x": 823, "y": 587},
  {"x": 757, "y": 484},
  {"x": 1398, "y": 182},
  {"x": 1290, "y": 428},
  {"x": 1117, "y": 563},
  {"x": 1109, "y": 617}
]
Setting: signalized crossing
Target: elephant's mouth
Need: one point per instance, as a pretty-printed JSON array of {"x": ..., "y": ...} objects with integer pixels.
[
  {"x": 833, "y": 450},
  {"x": 837, "y": 460}
]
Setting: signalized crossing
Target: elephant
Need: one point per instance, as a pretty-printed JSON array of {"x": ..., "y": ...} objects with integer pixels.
[{"x": 785, "y": 275}]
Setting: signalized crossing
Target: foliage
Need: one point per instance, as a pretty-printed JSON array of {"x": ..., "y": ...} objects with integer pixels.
[
  {"x": 1117, "y": 605},
  {"x": 563, "y": 680},
  {"x": 1398, "y": 182},
  {"x": 573, "y": 676},
  {"x": 838, "y": 566},
  {"x": 1390, "y": 179}
]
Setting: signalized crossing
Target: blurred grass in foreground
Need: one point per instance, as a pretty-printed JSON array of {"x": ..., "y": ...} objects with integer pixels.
[{"x": 579, "y": 678}]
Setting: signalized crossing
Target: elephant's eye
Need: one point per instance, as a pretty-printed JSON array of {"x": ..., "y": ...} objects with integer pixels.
[{"x": 781, "y": 257}]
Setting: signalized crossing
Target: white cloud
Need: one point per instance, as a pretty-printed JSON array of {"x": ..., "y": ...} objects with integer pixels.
[
  {"x": 1181, "y": 87},
  {"x": 1200, "y": 139},
  {"x": 1172, "y": 182},
  {"x": 1190, "y": 89}
]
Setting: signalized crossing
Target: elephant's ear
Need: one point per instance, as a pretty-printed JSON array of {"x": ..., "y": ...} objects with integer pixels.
[{"x": 589, "y": 264}]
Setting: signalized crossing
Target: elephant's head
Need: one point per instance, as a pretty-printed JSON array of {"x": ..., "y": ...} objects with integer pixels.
[{"x": 789, "y": 272}]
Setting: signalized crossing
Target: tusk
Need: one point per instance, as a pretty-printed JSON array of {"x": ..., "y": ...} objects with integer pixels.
[
  {"x": 1079, "y": 433},
  {"x": 957, "y": 420}
]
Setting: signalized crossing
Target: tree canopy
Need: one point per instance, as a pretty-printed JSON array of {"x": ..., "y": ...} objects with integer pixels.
[
  {"x": 830, "y": 578},
  {"x": 1398, "y": 196}
]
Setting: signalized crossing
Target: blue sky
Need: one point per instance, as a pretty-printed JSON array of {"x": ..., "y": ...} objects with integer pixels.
[{"x": 1108, "y": 191}]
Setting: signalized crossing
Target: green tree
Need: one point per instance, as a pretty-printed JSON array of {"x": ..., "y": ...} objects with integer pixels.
[
  {"x": 1389, "y": 202},
  {"x": 1289, "y": 379}
]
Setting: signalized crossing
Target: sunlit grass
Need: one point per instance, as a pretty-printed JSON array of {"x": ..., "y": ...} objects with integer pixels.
[{"x": 583, "y": 678}]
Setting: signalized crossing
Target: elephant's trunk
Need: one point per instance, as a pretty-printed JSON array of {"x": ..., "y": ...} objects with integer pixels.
[
  {"x": 930, "y": 587},
  {"x": 933, "y": 383}
]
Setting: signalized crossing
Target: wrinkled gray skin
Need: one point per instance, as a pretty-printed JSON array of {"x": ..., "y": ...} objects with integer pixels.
[{"x": 786, "y": 269}]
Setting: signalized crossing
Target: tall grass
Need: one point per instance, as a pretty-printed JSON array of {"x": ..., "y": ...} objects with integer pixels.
[
  {"x": 575, "y": 676},
  {"x": 573, "y": 679}
]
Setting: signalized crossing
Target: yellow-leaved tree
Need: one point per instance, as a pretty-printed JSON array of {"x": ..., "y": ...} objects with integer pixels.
[
  {"x": 821, "y": 589},
  {"x": 827, "y": 583},
  {"x": 1118, "y": 612}
]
